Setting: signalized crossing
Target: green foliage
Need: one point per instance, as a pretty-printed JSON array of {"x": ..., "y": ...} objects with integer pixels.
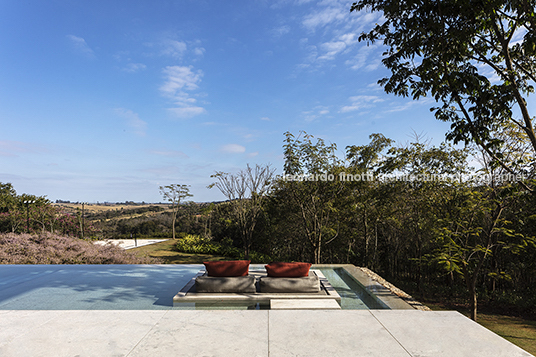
[
  {"x": 475, "y": 57},
  {"x": 200, "y": 245},
  {"x": 175, "y": 194}
]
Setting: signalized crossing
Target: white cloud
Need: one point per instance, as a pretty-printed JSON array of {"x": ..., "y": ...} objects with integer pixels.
[
  {"x": 199, "y": 51},
  {"x": 80, "y": 46},
  {"x": 170, "y": 153},
  {"x": 409, "y": 105},
  {"x": 324, "y": 17},
  {"x": 233, "y": 149},
  {"x": 253, "y": 154},
  {"x": 137, "y": 125},
  {"x": 361, "y": 59},
  {"x": 187, "y": 112},
  {"x": 315, "y": 113},
  {"x": 331, "y": 49},
  {"x": 180, "y": 79},
  {"x": 361, "y": 102},
  {"x": 173, "y": 48},
  {"x": 265, "y": 119},
  {"x": 280, "y": 31},
  {"x": 134, "y": 67}
]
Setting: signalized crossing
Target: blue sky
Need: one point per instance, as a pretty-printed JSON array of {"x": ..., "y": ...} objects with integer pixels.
[{"x": 108, "y": 100}]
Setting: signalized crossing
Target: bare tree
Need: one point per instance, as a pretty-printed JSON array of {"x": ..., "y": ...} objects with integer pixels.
[
  {"x": 246, "y": 191},
  {"x": 174, "y": 194}
]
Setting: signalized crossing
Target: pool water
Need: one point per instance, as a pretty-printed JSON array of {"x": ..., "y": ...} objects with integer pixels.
[
  {"x": 354, "y": 296},
  {"x": 129, "y": 287}
]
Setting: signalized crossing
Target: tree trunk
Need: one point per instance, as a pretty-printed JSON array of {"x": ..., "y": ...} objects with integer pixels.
[
  {"x": 473, "y": 303},
  {"x": 173, "y": 225}
]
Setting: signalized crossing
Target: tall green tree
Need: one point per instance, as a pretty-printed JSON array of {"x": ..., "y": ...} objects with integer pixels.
[
  {"x": 476, "y": 57},
  {"x": 312, "y": 185}
]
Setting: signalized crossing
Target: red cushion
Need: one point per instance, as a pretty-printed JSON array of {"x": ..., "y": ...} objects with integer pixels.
[
  {"x": 288, "y": 270},
  {"x": 228, "y": 268}
]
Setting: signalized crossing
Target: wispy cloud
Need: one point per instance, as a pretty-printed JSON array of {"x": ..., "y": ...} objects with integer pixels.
[
  {"x": 174, "y": 48},
  {"x": 333, "y": 34},
  {"x": 315, "y": 113},
  {"x": 361, "y": 102},
  {"x": 10, "y": 148},
  {"x": 233, "y": 149},
  {"x": 179, "y": 81},
  {"x": 324, "y": 16},
  {"x": 80, "y": 46},
  {"x": 134, "y": 67},
  {"x": 136, "y": 125},
  {"x": 280, "y": 31},
  {"x": 409, "y": 105},
  {"x": 361, "y": 59},
  {"x": 169, "y": 153}
]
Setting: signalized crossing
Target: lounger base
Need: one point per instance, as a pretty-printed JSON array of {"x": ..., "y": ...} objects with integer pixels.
[{"x": 188, "y": 293}]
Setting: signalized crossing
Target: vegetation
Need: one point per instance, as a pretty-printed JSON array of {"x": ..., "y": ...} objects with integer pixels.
[
  {"x": 200, "y": 245},
  {"x": 476, "y": 58},
  {"x": 167, "y": 253},
  {"x": 55, "y": 249},
  {"x": 174, "y": 194},
  {"x": 246, "y": 192}
]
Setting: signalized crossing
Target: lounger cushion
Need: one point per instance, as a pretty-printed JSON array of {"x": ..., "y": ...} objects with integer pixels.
[
  {"x": 228, "y": 268},
  {"x": 210, "y": 284},
  {"x": 288, "y": 270},
  {"x": 307, "y": 284}
]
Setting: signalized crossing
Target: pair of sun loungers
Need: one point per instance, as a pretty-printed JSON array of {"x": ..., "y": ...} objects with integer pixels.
[
  {"x": 235, "y": 277},
  {"x": 233, "y": 283}
]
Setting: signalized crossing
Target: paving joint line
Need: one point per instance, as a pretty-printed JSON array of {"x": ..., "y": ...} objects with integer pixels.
[
  {"x": 389, "y": 332},
  {"x": 148, "y": 332}
]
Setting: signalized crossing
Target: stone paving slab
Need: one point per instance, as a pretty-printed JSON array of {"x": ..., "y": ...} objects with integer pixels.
[
  {"x": 207, "y": 333},
  {"x": 308, "y": 333},
  {"x": 74, "y": 333},
  {"x": 330, "y": 333},
  {"x": 444, "y": 333}
]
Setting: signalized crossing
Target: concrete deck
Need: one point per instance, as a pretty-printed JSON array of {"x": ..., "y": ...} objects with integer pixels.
[{"x": 247, "y": 333}]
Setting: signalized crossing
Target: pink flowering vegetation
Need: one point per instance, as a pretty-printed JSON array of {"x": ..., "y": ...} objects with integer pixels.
[{"x": 48, "y": 248}]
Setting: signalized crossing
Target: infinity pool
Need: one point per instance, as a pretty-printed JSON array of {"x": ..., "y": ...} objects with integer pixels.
[{"x": 127, "y": 287}]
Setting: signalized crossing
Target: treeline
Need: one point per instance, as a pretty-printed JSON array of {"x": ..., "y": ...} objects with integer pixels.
[
  {"x": 36, "y": 214},
  {"x": 418, "y": 215}
]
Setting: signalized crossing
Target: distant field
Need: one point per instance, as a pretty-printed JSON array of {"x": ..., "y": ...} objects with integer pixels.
[{"x": 107, "y": 207}]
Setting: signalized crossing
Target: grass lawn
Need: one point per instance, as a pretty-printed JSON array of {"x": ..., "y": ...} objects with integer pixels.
[
  {"x": 167, "y": 253},
  {"x": 520, "y": 332}
]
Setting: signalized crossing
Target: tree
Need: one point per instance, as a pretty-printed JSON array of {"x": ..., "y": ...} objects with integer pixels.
[
  {"x": 174, "y": 194},
  {"x": 477, "y": 58},
  {"x": 246, "y": 192},
  {"x": 312, "y": 185}
]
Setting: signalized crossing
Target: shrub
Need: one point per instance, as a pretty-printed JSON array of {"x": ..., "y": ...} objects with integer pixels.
[
  {"x": 195, "y": 244},
  {"x": 50, "y": 248}
]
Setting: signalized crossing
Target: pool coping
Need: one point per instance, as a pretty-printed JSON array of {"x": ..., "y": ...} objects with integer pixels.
[{"x": 372, "y": 283}]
